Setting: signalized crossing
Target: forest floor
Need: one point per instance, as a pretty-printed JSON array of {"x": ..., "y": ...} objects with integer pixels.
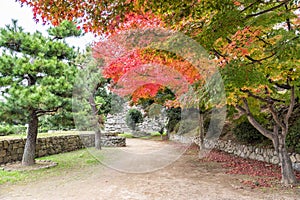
[{"x": 186, "y": 178}]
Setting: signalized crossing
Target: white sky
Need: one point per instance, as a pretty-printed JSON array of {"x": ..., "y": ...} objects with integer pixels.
[{"x": 9, "y": 9}]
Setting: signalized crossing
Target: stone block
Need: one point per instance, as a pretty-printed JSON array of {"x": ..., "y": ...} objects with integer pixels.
[
  {"x": 5, "y": 145},
  {"x": 293, "y": 158},
  {"x": 274, "y": 160},
  {"x": 252, "y": 156},
  {"x": 2, "y": 153},
  {"x": 14, "y": 157},
  {"x": 296, "y": 166},
  {"x": 297, "y": 158},
  {"x": 243, "y": 155},
  {"x": 257, "y": 150},
  {"x": 260, "y": 158},
  {"x": 270, "y": 152},
  {"x": 267, "y": 159},
  {"x": 20, "y": 150},
  {"x": 15, "y": 146}
]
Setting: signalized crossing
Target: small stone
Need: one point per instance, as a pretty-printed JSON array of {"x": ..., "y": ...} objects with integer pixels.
[
  {"x": 274, "y": 160},
  {"x": 297, "y": 157}
]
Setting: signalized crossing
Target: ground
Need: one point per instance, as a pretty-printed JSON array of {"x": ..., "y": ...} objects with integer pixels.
[{"x": 186, "y": 178}]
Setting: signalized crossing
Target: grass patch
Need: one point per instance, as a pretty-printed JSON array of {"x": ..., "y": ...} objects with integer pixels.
[
  {"x": 44, "y": 135},
  {"x": 66, "y": 161},
  {"x": 126, "y": 135},
  {"x": 157, "y": 134},
  {"x": 153, "y": 135}
]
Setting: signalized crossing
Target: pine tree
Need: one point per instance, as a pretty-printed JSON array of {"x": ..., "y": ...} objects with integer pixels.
[{"x": 36, "y": 76}]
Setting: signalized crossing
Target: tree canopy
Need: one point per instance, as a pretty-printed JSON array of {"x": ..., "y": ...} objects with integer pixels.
[{"x": 254, "y": 43}]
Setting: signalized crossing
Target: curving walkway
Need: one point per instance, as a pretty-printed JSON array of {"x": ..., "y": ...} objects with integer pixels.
[{"x": 186, "y": 179}]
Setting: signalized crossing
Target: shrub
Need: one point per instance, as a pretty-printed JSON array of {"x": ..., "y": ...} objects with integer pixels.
[
  {"x": 245, "y": 132},
  {"x": 174, "y": 116},
  {"x": 293, "y": 137},
  {"x": 133, "y": 117},
  {"x": 11, "y": 129}
]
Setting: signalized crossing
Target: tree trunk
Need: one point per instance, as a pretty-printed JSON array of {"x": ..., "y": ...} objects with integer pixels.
[
  {"x": 96, "y": 123},
  {"x": 98, "y": 139},
  {"x": 29, "y": 151},
  {"x": 201, "y": 131},
  {"x": 287, "y": 172},
  {"x": 167, "y": 135}
]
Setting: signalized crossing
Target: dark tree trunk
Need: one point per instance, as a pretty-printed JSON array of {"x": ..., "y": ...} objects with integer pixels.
[
  {"x": 29, "y": 151},
  {"x": 287, "y": 172}
]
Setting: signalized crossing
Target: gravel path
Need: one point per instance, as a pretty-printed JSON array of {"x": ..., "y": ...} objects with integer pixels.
[{"x": 184, "y": 179}]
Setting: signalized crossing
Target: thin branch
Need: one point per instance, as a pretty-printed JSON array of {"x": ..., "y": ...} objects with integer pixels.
[
  {"x": 283, "y": 86},
  {"x": 264, "y": 41},
  {"x": 268, "y": 100},
  {"x": 268, "y": 10},
  {"x": 217, "y": 53},
  {"x": 291, "y": 106},
  {"x": 241, "y": 109},
  {"x": 259, "y": 61},
  {"x": 275, "y": 116},
  {"x": 41, "y": 112},
  {"x": 288, "y": 22},
  {"x": 252, "y": 120},
  {"x": 249, "y": 6}
]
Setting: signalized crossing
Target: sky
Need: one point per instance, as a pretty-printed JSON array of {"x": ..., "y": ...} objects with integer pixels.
[{"x": 9, "y": 9}]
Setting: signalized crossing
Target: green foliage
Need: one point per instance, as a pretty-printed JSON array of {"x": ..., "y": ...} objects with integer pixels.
[
  {"x": 245, "y": 132},
  {"x": 62, "y": 120},
  {"x": 36, "y": 74},
  {"x": 6, "y": 129},
  {"x": 293, "y": 138},
  {"x": 92, "y": 86},
  {"x": 66, "y": 29},
  {"x": 133, "y": 117},
  {"x": 174, "y": 116}
]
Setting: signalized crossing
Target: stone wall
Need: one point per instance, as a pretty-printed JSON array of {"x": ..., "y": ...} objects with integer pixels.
[
  {"x": 12, "y": 150},
  {"x": 252, "y": 152},
  {"x": 116, "y": 123},
  {"x": 245, "y": 151}
]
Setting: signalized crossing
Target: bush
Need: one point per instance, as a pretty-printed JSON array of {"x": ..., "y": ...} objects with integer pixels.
[
  {"x": 245, "y": 132},
  {"x": 11, "y": 129},
  {"x": 174, "y": 116},
  {"x": 293, "y": 137},
  {"x": 133, "y": 117}
]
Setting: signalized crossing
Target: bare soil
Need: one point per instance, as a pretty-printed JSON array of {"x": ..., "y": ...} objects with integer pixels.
[{"x": 186, "y": 178}]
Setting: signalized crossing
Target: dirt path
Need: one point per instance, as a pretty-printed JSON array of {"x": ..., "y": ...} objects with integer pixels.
[{"x": 186, "y": 179}]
